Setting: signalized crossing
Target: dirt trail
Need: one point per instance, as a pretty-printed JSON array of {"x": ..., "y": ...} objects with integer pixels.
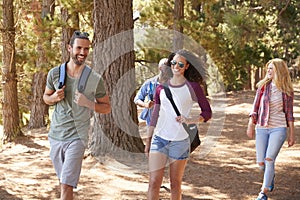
[{"x": 228, "y": 171}]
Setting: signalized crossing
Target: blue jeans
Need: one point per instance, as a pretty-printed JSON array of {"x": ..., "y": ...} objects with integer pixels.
[{"x": 268, "y": 144}]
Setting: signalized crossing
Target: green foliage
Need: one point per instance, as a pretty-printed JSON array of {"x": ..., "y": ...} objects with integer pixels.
[
  {"x": 238, "y": 35},
  {"x": 148, "y": 58},
  {"x": 157, "y": 13},
  {"x": 32, "y": 30}
]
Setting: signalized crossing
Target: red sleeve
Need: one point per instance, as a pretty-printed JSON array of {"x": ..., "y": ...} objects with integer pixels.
[
  {"x": 198, "y": 96},
  {"x": 155, "y": 113}
]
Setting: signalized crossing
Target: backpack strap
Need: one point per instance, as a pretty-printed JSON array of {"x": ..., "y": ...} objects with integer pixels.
[
  {"x": 62, "y": 75},
  {"x": 83, "y": 78}
]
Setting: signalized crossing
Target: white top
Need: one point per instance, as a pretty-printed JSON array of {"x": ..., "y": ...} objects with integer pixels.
[{"x": 167, "y": 123}]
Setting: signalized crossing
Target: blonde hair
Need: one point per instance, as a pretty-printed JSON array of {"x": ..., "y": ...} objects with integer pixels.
[{"x": 281, "y": 78}]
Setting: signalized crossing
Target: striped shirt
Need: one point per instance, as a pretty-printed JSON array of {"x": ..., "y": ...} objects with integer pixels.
[
  {"x": 266, "y": 104},
  {"x": 276, "y": 109}
]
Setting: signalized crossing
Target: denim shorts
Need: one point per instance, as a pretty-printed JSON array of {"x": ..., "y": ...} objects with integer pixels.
[{"x": 178, "y": 150}]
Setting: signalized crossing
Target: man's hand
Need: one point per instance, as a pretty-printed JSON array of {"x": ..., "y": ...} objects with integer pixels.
[
  {"x": 149, "y": 104},
  {"x": 59, "y": 94},
  {"x": 81, "y": 100},
  {"x": 51, "y": 97}
]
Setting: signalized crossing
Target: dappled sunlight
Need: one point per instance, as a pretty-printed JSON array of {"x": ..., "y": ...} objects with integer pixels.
[
  {"x": 227, "y": 171},
  {"x": 30, "y": 173},
  {"x": 204, "y": 193}
]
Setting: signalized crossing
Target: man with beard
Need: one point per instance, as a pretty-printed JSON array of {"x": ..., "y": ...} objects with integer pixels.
[{"x": 70, "y": 122}]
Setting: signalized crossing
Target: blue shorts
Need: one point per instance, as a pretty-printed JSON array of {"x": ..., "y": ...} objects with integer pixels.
[
  {"x": 178, "y": 150},
  {"x": 67, "y": 158}
]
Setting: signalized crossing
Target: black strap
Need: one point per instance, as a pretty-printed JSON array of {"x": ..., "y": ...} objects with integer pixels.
[{"x": 170, "y": 97}]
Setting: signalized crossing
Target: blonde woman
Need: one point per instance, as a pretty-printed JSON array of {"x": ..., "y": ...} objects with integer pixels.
[{"x": 271, "y": 117}]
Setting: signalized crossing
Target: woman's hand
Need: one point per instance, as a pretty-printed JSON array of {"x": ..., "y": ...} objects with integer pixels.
[
  {"x": 193, "y": 120},
  {"x": 181, "y": 119},
  {"x": 150, "y": 131},
  {"x": 291, "y": 140},
  {"x": 147, "y": 146},
  {"x": 250, "y": 129}
]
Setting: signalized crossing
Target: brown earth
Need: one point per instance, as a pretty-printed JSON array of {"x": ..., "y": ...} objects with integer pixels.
[{"x": 222, "y": 168}]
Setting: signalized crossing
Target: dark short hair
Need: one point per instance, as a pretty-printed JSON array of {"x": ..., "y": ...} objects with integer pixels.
[{"x": 80, "y": 35}]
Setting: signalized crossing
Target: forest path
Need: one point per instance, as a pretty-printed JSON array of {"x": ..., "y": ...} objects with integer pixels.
[{"x": 227, "y": 171}]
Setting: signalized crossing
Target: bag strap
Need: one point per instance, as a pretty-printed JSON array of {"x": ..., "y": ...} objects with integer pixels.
[
  {"x": 62, "y": 75},
  {"x": 82, "y": 80},
  {"x": 170, "y": 97}
]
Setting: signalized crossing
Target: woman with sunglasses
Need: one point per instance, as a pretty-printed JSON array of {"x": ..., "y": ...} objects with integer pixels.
[{"x": 167, "y": 141}]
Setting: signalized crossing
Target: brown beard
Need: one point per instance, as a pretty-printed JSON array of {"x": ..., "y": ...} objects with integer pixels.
[{"x": 76, "y": 61}]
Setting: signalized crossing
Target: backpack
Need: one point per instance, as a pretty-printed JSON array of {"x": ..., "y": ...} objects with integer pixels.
[{"x": 82, "y": 80}]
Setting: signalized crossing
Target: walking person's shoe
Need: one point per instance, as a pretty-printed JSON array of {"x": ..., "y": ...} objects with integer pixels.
[
  {"x": 271, "y": 188},
  {"x": 262, "y": 196}
]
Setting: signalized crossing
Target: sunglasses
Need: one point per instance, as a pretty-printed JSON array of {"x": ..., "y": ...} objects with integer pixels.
[
  {"x": 180, "y": 64},
  {"x": 80, "y": 34}
]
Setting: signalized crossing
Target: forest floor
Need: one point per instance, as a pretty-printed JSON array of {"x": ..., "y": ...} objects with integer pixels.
[{"x": 223, "y": 167}]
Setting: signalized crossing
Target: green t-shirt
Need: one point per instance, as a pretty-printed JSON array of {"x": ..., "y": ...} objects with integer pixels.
[{"x": 69, "y": 120}]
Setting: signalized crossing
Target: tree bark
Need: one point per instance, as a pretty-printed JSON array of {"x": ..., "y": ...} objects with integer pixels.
[
  {"x": 39, "y": 110},
  {"x": 116, "y": 133},
  {"x": 67, "y": 31},
  {"x": 178, "y": 29},
  {"x": 10, "y": 107}
]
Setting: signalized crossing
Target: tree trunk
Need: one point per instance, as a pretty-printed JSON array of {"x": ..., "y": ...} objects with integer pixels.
[
  {"x": 38, "y": 107},
  {"x": 116, "y": 133},
  {"x": 178, "y": 29},
  {"x": 39, "y": 110},
  {"x": 10, "y": 107},
  {"x": 67, "y": 31}
]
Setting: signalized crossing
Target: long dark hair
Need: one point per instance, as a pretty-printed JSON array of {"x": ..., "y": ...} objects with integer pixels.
[{"x": 197, "y": 69}]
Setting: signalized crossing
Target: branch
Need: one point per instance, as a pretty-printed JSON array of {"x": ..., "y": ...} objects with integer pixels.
[
  {"x": 282, "y": 10},
  {"x": 143, "y": 61}
]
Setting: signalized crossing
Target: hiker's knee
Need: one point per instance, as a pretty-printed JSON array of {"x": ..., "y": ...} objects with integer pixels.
[
  {"x": 269, "y": 162},
  {"x": 261, "y": 166},
  {"x": 269, "y": 159}
]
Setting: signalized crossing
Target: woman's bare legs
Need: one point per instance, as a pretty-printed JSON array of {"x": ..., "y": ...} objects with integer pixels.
[
  {"x": 157, "y": 163},
  {"x": 177, "y": 168}
]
